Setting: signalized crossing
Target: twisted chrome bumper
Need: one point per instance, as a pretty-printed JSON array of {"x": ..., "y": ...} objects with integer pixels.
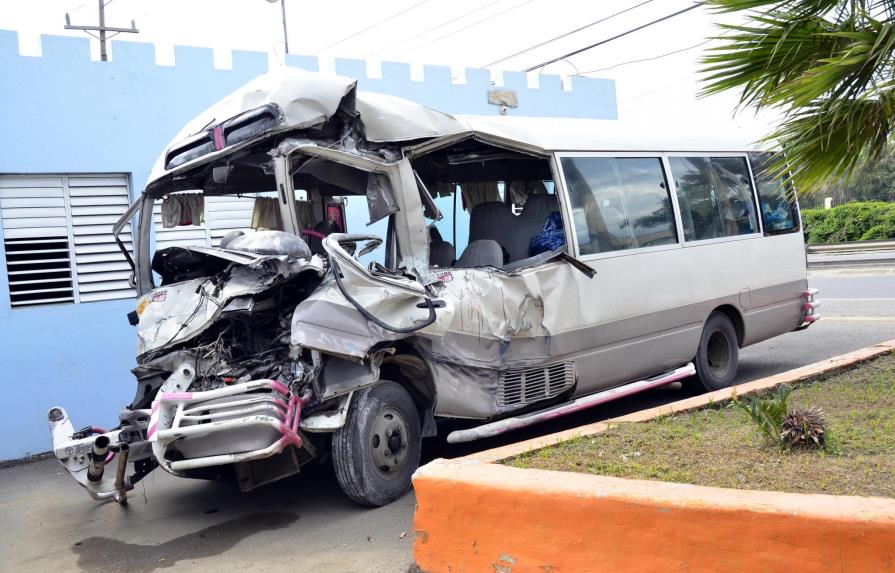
[{"x": 239, "y": 423}]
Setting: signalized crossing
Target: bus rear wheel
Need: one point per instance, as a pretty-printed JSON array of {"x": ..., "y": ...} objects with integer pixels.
[
  {"x": 377, "y": 450},
  {"x": 716, "y": 358}
]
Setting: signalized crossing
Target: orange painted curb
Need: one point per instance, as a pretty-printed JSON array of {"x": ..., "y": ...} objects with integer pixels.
[
  {"x": 479, "y": 517},
  {"x": 476, "y": 516}
]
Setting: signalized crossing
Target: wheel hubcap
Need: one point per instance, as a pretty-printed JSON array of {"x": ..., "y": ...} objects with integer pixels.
[
  {"x": 718, "y": 353},
  {"x": 388, "y": 441}
]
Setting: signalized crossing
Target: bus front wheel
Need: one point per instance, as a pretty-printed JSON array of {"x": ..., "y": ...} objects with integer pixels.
[
  {"x": 377, "y": 450},
  {"x": 716, "y": 358}
]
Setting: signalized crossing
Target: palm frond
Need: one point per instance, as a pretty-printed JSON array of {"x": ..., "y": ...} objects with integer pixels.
[{"x": 827, "y": 64}]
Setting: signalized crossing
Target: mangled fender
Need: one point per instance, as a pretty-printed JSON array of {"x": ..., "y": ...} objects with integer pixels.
[
  {"x": 328, "y": 322},
  {"x": 178, "y": 312}
]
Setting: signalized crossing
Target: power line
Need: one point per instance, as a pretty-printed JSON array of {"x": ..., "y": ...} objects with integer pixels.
[
  {"x": 438, "y": 27},
  {"x": 616, "y": 37},
  {"x": 660, "y": 56},
  {"x": 567, "y": 34},
  {"x": 371, "y": 26},
  {"x": 474, "y": 24}
]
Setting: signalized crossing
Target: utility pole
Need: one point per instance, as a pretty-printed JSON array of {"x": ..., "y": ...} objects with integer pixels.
[
  {"x": 102, "y": 29},
  {"x": 285, "y": 32}
]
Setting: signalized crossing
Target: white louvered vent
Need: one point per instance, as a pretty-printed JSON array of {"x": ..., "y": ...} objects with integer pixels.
[
  {"x": 57, "y": 233},
  {"x": 97, "y": 202},
  {"x": 35, "y": 236},
  {"x": 521, "y": 386}
]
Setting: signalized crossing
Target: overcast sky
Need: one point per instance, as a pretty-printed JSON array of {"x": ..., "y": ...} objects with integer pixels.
[{"x": 459, "y": 33}]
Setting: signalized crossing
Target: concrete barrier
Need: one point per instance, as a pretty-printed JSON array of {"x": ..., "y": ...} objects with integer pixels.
[{"x": 474, "y": 515}]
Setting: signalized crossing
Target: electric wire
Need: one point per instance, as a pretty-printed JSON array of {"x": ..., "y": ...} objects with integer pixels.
[
  {"x": 464, "y": 28},
  {"x": 660, "y": 56},
  {"x": 616, "y": 37},
  {"x": 438, "y": 27},
  {"x": 374, "y": 25},
  {"x": 566, "y": 34}
]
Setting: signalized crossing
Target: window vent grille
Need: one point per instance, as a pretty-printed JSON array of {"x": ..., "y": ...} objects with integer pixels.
[
  {"x": 57, "y": 233},
  {"x": 96, "y": 204},
  {"x": 521, "y": 386}
]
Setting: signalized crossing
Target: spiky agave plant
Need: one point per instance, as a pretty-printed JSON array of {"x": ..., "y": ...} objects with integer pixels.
[{"x": 803, "y": 428}]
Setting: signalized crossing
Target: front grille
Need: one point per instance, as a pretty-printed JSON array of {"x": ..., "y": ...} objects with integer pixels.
[{"x": 521, "y": 386}]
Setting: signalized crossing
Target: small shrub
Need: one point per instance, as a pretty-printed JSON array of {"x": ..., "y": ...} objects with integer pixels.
[
  {"x": 788, "y": 428},
  {"x": 869, "y": 220},
  {"x": 803, "y": 428},
  {"x": 768, "y": 413}
]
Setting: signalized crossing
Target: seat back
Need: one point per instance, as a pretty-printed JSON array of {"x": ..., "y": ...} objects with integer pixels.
[
  {"x": 538, "y": 207},
  {"x": 493, "y": 221},
  {"x": 481, "y": 253},
  {"x": 534, "y": 214},
  {"x": 441, "y": 252}
]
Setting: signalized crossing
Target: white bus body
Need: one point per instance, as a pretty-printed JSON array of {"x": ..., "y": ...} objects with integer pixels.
[{"x": 590, "y": 263}]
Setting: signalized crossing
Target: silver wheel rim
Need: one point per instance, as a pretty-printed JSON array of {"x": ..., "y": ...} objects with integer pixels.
[
  {"x": 717, "y": 353},
  {"x": 389, "y": 442}
]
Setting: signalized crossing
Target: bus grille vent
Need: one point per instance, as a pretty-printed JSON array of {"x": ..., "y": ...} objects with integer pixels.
[{"x": 521, "y": 386}]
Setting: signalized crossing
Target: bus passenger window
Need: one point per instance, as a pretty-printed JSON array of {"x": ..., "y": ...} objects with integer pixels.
[
  {"x": 715, "y": 196},
  {"x": 619, "y": 203},
  {"x": 779, "y": 212}
]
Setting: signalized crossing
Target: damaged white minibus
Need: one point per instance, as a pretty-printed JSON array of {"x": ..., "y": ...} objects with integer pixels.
[{"x": 579, "y": 264}]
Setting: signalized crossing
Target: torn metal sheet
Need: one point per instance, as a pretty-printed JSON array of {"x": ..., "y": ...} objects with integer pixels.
[{"x": 173, "y": 314}]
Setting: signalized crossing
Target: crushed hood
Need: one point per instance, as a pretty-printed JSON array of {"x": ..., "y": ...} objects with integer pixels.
[{"x": 307, "y": 100}]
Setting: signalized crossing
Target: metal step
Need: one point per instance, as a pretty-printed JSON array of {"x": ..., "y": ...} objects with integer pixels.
[{"x": 589, "y": 401}]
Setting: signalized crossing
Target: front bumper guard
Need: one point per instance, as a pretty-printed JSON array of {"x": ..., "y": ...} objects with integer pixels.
[
  {"x": 181, "y": 431},
  {"x": 239, "y": 423}
]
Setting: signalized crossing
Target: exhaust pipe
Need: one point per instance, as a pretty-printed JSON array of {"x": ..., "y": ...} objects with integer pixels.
[
  {"x": 121, "y": 485},
  {"x": 98, "y": 458}
]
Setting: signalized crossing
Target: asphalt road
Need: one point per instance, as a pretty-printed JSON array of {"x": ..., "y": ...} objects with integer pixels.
[{"x": 304, "y": 523}]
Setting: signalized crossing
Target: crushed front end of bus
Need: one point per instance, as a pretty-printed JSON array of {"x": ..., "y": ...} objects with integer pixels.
[{"x": 251, "y": 350}]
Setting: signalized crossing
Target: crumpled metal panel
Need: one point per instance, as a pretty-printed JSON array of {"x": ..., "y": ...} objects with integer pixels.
[
  {"x": 391, "y": 118},
  {"x": 309, "y": 99},
  {"x": 177, "y": 312}
]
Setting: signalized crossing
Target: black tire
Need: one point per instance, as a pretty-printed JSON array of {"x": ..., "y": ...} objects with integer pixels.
[
  {"x": 716, "y": 358},
  {"x": 380, "y": 418}
]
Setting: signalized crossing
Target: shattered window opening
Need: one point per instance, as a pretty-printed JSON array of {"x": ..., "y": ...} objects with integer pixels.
[{"x": 499, "y": 201}]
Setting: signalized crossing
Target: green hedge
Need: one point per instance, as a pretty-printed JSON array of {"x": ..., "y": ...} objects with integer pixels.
[{"x": 850, "y": 222}]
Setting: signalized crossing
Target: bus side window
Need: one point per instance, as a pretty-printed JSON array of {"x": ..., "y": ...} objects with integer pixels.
[
  {"x": 715, "y": 195},
  {"x": 779, "y": 211},
  {"x": 619, "y": 203}
]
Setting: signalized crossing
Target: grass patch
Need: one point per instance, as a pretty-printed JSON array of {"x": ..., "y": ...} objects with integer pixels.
[{"x": 720, "y": 446}]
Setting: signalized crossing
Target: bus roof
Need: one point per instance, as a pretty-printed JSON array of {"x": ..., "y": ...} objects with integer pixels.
[
  {"x": 578, "y": 135},
  {"x": 308, "y": 99}
]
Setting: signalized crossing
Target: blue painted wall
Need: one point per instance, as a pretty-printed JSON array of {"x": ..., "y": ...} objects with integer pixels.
[{"x": 63, "y": 113}]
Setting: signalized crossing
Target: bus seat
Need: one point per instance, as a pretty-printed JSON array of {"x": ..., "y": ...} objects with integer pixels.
[
  {"x": 441, "y": 252},
  {"x": 481, "y": 253},
  {"x": 538, "y": 207},
  {"x": 534, "y": 214},
  {"x": 321, "y": 230},
  {"x": 494, "y": 221}
]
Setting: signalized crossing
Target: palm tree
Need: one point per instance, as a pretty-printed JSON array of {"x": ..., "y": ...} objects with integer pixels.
[{"x": 826, "y": 64}]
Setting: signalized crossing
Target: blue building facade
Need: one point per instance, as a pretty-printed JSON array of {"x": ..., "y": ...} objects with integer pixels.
[{"x": 64, "y": 114}]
